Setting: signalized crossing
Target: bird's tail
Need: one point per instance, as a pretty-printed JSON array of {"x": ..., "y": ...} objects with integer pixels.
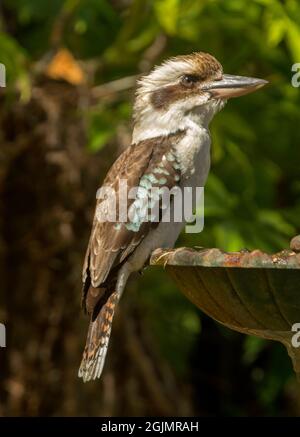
[{"x": 97, "y": 341}]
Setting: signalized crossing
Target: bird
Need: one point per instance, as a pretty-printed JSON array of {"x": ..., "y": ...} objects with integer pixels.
[{"x": 174, "y": 105}]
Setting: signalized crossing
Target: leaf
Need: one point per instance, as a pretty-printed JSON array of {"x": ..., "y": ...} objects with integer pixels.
[
  {"x": 275, "y": 220},
  {"x": 167, "y": 12},
  {"x": 276, "y": 31},
  {"x": 99, "y": 140},
  {"x": 64, "y": 66},
  {"x": 252, "y": 348},
  {"x": 293, "y": 39}
]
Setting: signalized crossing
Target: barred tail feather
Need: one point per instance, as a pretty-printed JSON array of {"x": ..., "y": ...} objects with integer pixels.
[{"x": 97, "y": 341}]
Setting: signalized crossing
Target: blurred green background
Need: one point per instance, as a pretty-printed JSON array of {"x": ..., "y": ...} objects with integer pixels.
[{"x": 65, "y": 115}]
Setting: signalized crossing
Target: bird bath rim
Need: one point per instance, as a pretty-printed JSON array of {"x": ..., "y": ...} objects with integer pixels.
[{"x": 186, "y": 256}]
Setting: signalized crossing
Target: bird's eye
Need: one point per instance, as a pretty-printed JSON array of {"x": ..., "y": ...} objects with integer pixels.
[{"x": 189, "y": 80}]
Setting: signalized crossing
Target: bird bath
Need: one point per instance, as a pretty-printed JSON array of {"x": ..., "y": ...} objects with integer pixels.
[{"x": 250, "y": 292}]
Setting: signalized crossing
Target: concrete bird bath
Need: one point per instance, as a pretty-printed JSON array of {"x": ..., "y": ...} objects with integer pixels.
[{"x": 250, "y": 292}]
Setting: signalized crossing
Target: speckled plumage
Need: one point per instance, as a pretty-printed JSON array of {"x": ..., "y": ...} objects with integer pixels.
[{"x": 170, "y": 149}]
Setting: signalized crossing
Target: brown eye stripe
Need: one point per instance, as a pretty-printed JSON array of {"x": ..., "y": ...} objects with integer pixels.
[{"x": 164, "y": 97}]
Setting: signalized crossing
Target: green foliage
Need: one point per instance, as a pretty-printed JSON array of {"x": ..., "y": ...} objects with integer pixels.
[
  {"x": 175, "y": 317},
  {"x": 103, "y": 124}
]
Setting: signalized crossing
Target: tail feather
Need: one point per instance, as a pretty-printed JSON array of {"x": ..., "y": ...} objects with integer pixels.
[{"x": 97, "y": 341}]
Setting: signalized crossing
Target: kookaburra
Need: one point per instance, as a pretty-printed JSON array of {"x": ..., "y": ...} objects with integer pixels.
[{"x": 170, "y": 147}]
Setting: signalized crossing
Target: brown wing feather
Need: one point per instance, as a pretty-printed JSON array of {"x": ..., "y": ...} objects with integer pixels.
[
  {"x": 108, "y": 246},
  {"x": 106, "y": 242}
]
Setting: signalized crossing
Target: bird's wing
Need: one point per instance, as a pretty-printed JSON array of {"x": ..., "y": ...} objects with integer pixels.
[{"x": 149, "y": 163}]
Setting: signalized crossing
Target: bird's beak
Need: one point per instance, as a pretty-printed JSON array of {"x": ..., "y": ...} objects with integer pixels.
[{"x": 233, "y": 86}]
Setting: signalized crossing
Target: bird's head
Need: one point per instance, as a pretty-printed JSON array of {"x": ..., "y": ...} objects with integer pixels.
[{"x": 185, "y": 89}]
